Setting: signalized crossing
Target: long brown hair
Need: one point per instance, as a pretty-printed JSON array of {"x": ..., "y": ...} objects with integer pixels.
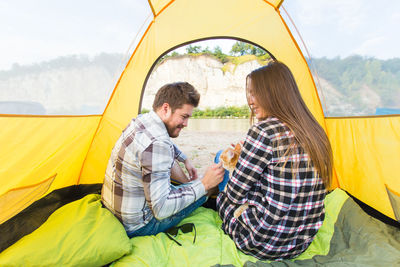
[{"x": 277, "y": 93}]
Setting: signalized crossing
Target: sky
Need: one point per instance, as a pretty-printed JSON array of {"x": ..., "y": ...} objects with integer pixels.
[{"x": 41, "y": 30}]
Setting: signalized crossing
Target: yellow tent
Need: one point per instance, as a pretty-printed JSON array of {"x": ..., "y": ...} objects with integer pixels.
[{"x": 41, "y": 155}]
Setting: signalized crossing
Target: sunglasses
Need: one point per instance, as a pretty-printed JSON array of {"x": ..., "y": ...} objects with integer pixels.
[{"x": 185, "y": 228}]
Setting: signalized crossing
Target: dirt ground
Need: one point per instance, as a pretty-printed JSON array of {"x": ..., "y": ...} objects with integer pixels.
[{"x": 201, "y": 146}]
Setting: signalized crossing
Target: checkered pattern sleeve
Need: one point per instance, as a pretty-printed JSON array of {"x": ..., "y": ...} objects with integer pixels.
[
  {"x": 163, "y": 198},
  {"x": 283, "y": 191},
  {"x": 179, "y": 155}
]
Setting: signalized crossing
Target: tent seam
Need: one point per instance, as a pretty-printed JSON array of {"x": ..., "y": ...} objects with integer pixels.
[
  {"x": 152, "y": 8},
  {"x": 31, "y": 185},
  {"x": 110, "y": 99},
  {"x": 165, "y": 7}
]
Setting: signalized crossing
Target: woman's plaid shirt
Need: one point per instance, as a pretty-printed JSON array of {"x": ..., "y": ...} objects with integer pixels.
[{"x": 285, "y": 200}]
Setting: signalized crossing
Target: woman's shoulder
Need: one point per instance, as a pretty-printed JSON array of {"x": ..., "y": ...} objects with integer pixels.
[{"x": 271, "y": 126}]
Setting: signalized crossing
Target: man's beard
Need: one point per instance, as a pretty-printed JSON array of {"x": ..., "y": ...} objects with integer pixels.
[{"x": 171, "y": 130}]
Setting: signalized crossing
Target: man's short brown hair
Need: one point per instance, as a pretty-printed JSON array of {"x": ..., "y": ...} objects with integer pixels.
[{"x": 176, "y": 95}]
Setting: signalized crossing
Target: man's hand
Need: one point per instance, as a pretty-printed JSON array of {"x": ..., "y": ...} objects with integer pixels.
[
  {"x": 192, "y": 171},
  {"x": 213, "y": 176}
]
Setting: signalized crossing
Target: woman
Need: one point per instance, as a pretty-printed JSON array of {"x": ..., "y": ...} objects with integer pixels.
[{"x": 284, "y": 169}]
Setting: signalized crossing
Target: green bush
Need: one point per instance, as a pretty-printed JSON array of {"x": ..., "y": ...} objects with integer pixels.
[
  {"x": 144, "y": 110},
  {"x": 222, "y": 112},
  {"x": 219, "y": 112}
]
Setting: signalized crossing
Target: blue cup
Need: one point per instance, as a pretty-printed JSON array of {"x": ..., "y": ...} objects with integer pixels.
[{"x": 222, "y": 184}]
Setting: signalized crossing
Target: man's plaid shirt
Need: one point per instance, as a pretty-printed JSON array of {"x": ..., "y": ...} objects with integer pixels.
[
  {"x": 285, "y": 210},
  {"x": 137, "y": 181}
]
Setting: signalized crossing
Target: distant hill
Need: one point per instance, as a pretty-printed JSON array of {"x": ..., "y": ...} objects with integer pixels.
[
  {"x": 361, "y": 84},
  {"x": 82, "y": 84},
  {"x": 66, "y": 85}
]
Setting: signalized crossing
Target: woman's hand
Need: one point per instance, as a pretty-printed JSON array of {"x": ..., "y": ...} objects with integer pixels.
[{"x": 234, "y": 145}]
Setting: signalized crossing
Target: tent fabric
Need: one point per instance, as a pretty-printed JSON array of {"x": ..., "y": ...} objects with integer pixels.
[
  {"x": 366, "y": 158},
  {"x": 395, "y": 202},
  {"x": 158, "y": 5},
  {"x": 81, "y": 233},
  {"x": 14, "y": 201},
  {"x": 35, "y": 148},
  {"x": 43, "y": 155}
]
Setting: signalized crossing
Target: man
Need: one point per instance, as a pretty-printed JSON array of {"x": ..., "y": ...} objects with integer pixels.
[{"x": 137, "y": 186}]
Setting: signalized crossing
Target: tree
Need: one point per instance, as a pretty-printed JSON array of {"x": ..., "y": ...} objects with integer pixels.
[
  {"x": 193, "y": 49},
  {"x": 242, "y": 48},
  {"x": 219, "y": 54},
  {"x": 206, "y": 51},
  {"x": 238, "y": 48}
]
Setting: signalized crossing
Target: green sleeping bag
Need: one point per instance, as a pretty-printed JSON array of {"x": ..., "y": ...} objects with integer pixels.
[{"x": 82, "y": 233}]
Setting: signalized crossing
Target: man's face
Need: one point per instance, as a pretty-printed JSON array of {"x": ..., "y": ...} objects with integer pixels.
[{"x": 177, "y": 120}]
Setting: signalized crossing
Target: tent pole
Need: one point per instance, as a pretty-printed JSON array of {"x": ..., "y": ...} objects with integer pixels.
[{"x": 152, "y": 8}]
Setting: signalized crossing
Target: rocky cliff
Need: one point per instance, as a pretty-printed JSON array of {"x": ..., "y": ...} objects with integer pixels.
[{"x": 218, "y": 84}]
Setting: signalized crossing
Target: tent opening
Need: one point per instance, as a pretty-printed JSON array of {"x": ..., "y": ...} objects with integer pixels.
[
  {"x": 217, "y": 68},
  {"x": 214, "y": 66}
]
